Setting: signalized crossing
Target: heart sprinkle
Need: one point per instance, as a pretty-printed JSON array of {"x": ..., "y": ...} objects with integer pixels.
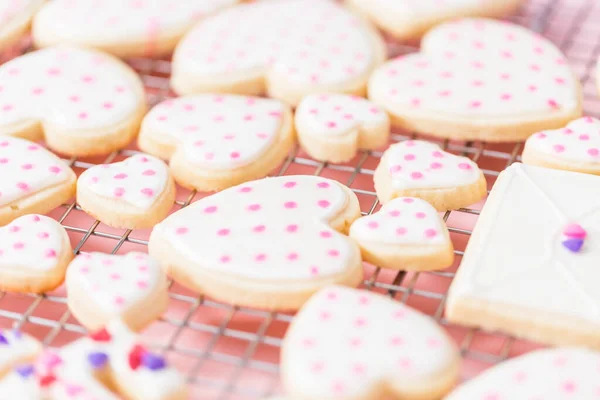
[
  {"x": 575, "y": 236},
  {"x": 25, "y": 370},
  {"x": 98, "y": 359},
  {"x": 153, "y": 362}
]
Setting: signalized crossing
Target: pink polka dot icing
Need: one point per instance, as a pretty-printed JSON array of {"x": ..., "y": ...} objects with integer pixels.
[
  {"x": 567, "y": 373},
  {"x": 345, "y": 342}
]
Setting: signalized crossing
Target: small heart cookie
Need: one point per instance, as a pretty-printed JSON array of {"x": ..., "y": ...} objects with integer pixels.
[
  {"x": 34, "y": 253},
  {"x": 478, "y": 79},
  {"x": 32, "y": 179},
  {"x": 102, "y": 287},
  {"x": 333, "y": 127},
  {"x": 16, "y": 348},
  {"x": 353, "y": 344},
  {"x": 217, "y": 141},
  {"x": 415, "y": 168},
  {"x": 259, "y": 47},
  {"x": 269, "y": 243},
  {"x": 83, "y": 102},
  {"x": 406, "y": 234},
  {"x": 131, "y": 28},
  {"x": 15, "y": 19},
  {"x": 136, "y": 193},
  {"x": 573, "y": 148}
]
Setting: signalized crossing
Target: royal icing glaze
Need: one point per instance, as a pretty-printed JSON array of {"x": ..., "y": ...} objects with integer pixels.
[
  {"x": 219, "y": 131},
  {"x": 139, "y": 180},
  {"x": 69, "y": 87},
  {"x": 336, "y": 114},
  {"x": 16, "y": 347},
  {"x": 482, "y": 69},
  {"x": 27, "y": 168},
  {"x": 330, "y": 47},
  {"x": 403, "y": 220},
  {"x": 416, "y": 164},
  {"x": 344, "y": 342},
  {"x": 238, "y": 227},
  {"x": 553, "y": 374},
  {"x": 409, "y": 10}
]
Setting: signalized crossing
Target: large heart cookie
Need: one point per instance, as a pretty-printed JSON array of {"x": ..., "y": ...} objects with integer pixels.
[
  {"x": 217, "y": 141},
  {"x": 406, "y": 234},
  {"x": 333, "y": 127},
  {"x": 269, "y": 243},
  {"x": 15, "y": 18},
  {"x": 32, "y": 179},
  {"x": 260, "y": 47},
  {"x": 34, "y": 253},
  {"x": 126, "y": 28},
  {"x": 16, "y": 348},
  {"x": 352, "y": 344},
  {"x": 479, "y": 79},
  {"x": 415, "y": 168},
  {"x": 102, "y": 287},
  {"x": 573, "y": 148},
  {"x": 82, "y": 101},
  {"x": 136, "y": 193}
]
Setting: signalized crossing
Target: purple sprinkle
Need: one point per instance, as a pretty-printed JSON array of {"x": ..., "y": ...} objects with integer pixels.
[
  {"x": 153, "y": 361},
  {"x": 573, "y": 245},
  {"x": 98, "y": 360},
  {"x": 25, "y": 370},
  {"x": 17, "y": 333},
  {"x": 3, "y": 339}
]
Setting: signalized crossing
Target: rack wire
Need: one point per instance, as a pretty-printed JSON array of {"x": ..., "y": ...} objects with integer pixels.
[{"x": 232, "y": 352}]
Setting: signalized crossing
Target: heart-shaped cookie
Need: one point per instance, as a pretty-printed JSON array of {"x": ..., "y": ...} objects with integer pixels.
[
  {"x": 478, "y": 79},
  {"x": 353, "y": 344},
  {"x": 32, "y": 179},
  {"x": 406, "y": 234},
  {"x": 333, "y": 127},
  {"x": 15, "y": 19},
  {"x": 217, "y": 141},
  {"x": 573, "y": 148},
  {"x": 16, "y": 348},
  {"x": 269, "y": 243},
  {"x": 130, "y": 28},
  {"x": 82, "y": 102},
  {"x": 258, "y": 47},
  {"x": 136, "y": 193},
  {"x": 415, "y": 168},
  {"x": 102, "y": 287},
  {"x": 34, "y": 253}
]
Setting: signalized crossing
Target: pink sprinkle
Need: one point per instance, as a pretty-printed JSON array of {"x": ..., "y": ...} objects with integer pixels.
[
  {"x": 323, "y": 185},
  {"x": 396, "y": 341},
  {"x": 259, "y": 228},
  {"x": 289, "y": 184},
  {"x": 120, "y": 176},
  {"x": 394, "y": 213},
  {"x": 506, "y": 96},
  {"x": 260, "y": 257},
  {"x": 3, "y": 160},
  {"x": 182, "y": 230},
  {"x": 569, "y": 387},
  {"x": 115, "y": 276},
  {"x": 234, "y": 155},
  {"x": 552, "y": 103},
  {"x": 291, "y": 228},
  {"x": 55, "y": 170},
  {"x": 464, "y": 166},
  {"x": 409, "y": 157},
  {"x": 314, "y": 270},
  {"x": 360, "y": 322},
  {"x": 541, "y": 135},
  {"x": 18, "y": 246},
  {"x": 225, "y": 259},
  {"x": 437, "y": 154},
  {"x": 325, "y": 234},
  {"x": 323, "y": 203},
  {"x": 246, "y": 189},
  {"x": 558, "y": 148},
  {"x": 148, "y": 192},
  {"x": 27, "y": 166},
  {"x": 223, "y": 232},
  {"x": 475, "y": 104},
  {"x": 119, "y": 300},
  {"x": 14, "y": 229},
  {"x": 436, "y": 165},
  {"x": 254, "y": 207},
  {"x": 108, "y": 105},
  {"x": 23, "y": 186},
  {"x": 290, "y": 204},
  {"x": 292, "y": 256},
  {"x": 373, "y": 225},
  {"x": 333, "y": 253},
  {"x": 43, "y": 235},
  {"x": 119, "y": 192},
  {"x": 430, "y": 233},
  {"x": 567, "y": 131},
  {"x": 416, "y": 175},
  {"x": 50, "y": 253},
  {"x": 593, "y": 152},
  {"x": 83, "y": 115},
  {"x": 394, "y": 169},
  {"x": 408, "y": 200},
  {"x": 401, "y": 231},
  {"x": 420, "y": 215},
  {"x": 210, "y": 209},
  {"x": 149, "y": 172},
  {"x": 331, "y": 124},
  {"x": 584, "y": 137}
]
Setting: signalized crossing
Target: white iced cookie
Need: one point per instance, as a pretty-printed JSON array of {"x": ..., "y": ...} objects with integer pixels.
[
  {"x": 125, "y": 28},
  {"x": 32, "y": 179},
  {"x": 406, "y": 234},
  {"x": 575, "y": 147},
  {"x": 136, "y": 193},
  {"x": 15, "y": 19},
  {"x": 410, "y": 19},
  {"x": 552, "y": 374},
  {"x": 415, "y": 168},
  {"x": 333, "y": 127},
  {"x": 16, "y": 348},
  {"x": 270, "y": 243},
  {"x": 353, "y": 344},
  {"x": 478, "y": 79},
  {"x": 217, "y": 141},
  {"x": 261, "y": 47},
  {"x": 83, "y": 102},
  {"x": 34, "y": 253},
  {"x": 103, "y": 287}
]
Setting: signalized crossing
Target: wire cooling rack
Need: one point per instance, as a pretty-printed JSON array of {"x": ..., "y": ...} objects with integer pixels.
[{"x": 231, "y": 352}]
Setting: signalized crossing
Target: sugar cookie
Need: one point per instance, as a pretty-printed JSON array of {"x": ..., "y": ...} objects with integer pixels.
[
  {"x": 573, "y": 148},
  {"x": 16, "y": 348},
  {"x": 82, "y": 102},
  {"x": 123, "y": 28},
  {"x": 333, "y": 127},
  {"x": 415, "y": 168},
  {"x": 406, "y": 234},
  {"x": 32, "y": 179},
  {"x": 269, "y": 243},
  {"x": 15, "y": 19},
  {"x": 332, "y": 50},
  {"x": 479, "y": 79},
  {"x": 218, "y": 141},
  {"x": 353, "y": 344},
  {"x": 136, "y": 193},
  {"x": 552, "y": 374},
  {"x": 538, "y": 235},
  {"x": 102, "y": 287}
]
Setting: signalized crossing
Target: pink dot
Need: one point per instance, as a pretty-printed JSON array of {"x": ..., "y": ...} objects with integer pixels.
[
  {"x": 14, "y": 229},
  {"x": 407, "y": 200},
  {"x": 118, "y": 192},
  {"x": 119, "y": 300},
  {"x": 87, "y": 79},
  {"x": 323, "y": 203},
  {"x": 292, "y": 256},
  {"x": 120, "y": 176},
  {"x": 182, "y": 230},
  {"x": 569, "y": 387},
  {"x": 142, "y": 284},
  {"x": 401, "y": 231},
  {"x": 147, "y": 192},
  {"x": 108, "y": 105},
  {"x": 234, "y": 155},
  {"x": 23, "y": 186},
  {"x": 74, "y": 99},
  {"x": 325, "y": 234},
  {"x": 225, "y": 259},
  {"x": 50, "y": 253},
  {"x": 149, "y": 172},
  {"x": 210, "y": 209},
  {"x": 437, "y": 154},
  {"x": 259, "y": 228},
  {"x": 254, "y": 207},
  {"x": 314, "y": 270},
  {"x": 373, "y": 225},
  {"x": 409, "y": 157},
  {"x": 360, "y": 322},
  {"x": 593, "y": 152},
  {"x": 291, "y": 228},
  {"x": 464, "y": 166},
  {"x": 290, "y": 204},
  {"x": 246, "y": 189},
  {"x": 27, "y": 166},
  {"x": 223, "y": 232},
  {"x": 323, "y": 185},
  {"x": 333, "y": 253},
  {"x": 83, "y": 115},
  {"x": 430, "y": 233},
  {"x": 558, "y": 148},
  {"x": 394, "y": 213},
  {"x": 420, "y": 215},
  {"x": 416, "y": 175},
  {"x": 188, "y": 107},
  {"x": 331, "y": 124},
  {"x": 584, "y": 137},
  {"x": 55, "y": 169},
  {"x": 18, "y": 245},
  {"x": 394, "y": 169},
  {"x": 260, "y": 257},
  {"x": 43, "y": 235},
  {"x": 289, "y": 184},
  {"x": 37, "y": 91},
  {"x": 396, "y": 341},
  {"x": 436, "y": 165},
  {"x": 541, "y": 135},
  {"x": 7, "y": 107},
  {"x": 3, "y": 160}
]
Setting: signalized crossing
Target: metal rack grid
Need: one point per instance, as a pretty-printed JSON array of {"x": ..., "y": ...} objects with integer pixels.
[{"x": 231, "y": 352}]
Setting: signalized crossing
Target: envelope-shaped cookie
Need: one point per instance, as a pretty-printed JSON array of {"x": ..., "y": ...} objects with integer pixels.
[{"x": 532, "y": 265}]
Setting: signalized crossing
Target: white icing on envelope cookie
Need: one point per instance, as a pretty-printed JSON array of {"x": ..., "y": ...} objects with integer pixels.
[
  {"x": 16, "y": 347},
  {"x": 331, "y": 49},
  {"x": 224, "y": 246},
  {"x": 479, "y": 79},
  {"x": 348, "y": 344}
]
